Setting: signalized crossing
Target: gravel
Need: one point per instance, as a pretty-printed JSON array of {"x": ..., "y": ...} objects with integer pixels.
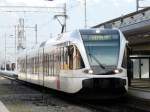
[{"x": 20, "y": 98}]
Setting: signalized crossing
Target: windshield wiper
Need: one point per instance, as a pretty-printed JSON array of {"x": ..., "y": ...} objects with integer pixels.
[{"x": 99, "y": 63}]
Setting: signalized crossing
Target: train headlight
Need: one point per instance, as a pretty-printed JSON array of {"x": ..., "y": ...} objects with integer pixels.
[
  {"x": 116, "y": 71},
  {"x": 90, "y": 71}
]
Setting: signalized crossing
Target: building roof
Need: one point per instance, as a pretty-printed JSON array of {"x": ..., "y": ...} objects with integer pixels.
[{"x": 122, "y": 17}]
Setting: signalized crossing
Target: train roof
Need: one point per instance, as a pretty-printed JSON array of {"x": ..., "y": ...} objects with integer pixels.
[{"x": 73, "y": 36}]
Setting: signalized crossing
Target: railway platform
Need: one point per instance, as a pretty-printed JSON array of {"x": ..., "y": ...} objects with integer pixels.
[
  {"x": 3, "y": 108},
  {"x": 140, "y": 88}
]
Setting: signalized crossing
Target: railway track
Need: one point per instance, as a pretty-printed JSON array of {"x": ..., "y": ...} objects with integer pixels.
[
  {"x": 122, "y": 105},
  {"x": 127, "y": 104}
]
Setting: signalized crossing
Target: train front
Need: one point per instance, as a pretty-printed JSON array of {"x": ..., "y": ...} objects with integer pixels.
[{"x": 105, "y": 51}]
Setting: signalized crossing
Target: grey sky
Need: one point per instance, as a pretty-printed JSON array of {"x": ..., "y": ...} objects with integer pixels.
[{"x": 98, "y": 11}]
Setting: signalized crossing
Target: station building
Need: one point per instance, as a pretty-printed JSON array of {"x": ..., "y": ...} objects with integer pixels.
[{"x": 136, "y": 28}]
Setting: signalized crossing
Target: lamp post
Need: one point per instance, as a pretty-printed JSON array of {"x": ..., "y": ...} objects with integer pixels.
[
  {"x": 85, "y": 14},
  {"x": 5, "y": 51}
]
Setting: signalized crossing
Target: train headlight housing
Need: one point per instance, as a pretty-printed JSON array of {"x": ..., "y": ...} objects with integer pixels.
[
  {"x": 89, "y": 71},
  {"x": 117, "y": 71}
]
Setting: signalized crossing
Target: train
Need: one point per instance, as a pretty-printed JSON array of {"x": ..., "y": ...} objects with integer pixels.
[{"x": 87, "y": 62}]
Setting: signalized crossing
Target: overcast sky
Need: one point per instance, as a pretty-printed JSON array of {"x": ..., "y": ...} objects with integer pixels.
[{"x": 98, "y": 11}]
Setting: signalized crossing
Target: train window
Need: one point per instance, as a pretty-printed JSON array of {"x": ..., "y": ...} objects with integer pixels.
[
  {"x": 56, "y": 60},
  {"x": 65, "y": 58},
  {"x": 47, "y": 61},
  {"x": 124, "y": 62},
  {"x": 62, "y": 57},
  {"x": 45, "y": 64},
  {"x": 32, "y": 64},
  {"x": 68, "y": 58},
  {"x": 75, "y": 59},
  {"x": 23, "y": 66},
  {"x": 50, "y": 65},
  {"x": 53, "y": 64},
  {"x": 28, "y": 61},
  {"x": 36, "y": 66},
  {"x": 78, "y": 61},
  {"x": 40, "y": 64},
  {"x": 70, "y": 54}
]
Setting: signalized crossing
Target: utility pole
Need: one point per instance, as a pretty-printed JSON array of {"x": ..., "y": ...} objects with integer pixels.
[
  {"x": 137, "y": 5},
  {"x": 85, "y": 14},
  {"x": 5, "y": 52},
  {"x": 20, "y": 35},
  {"x": 36, "y": 41},
  {"x": 15, "y": 48}
]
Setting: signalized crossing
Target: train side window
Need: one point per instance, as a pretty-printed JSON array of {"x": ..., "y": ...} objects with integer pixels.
[
  {"x": 75, "y": 59},
  {"x": 124, "y": 62},
  {"x": 70, "y": 54},
  {"x": 69, "y": 58},
  {"x": 44, "y": 64},
  {"x": 50, "y": 65},
  {"x": 47, "y": 65},
  {"x": 65, "y": 58},
  {"x": 79, "y": 64},
  {"x": 62, "y": 57},
  {"x": 40, "y": 64},
  {"x": 35, "y": 65}
]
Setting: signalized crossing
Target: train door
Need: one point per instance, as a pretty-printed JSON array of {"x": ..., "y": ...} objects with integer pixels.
[
  {"x": 144, "y": 68},
  {"x": 41, "y": 70},
  {"x": 136, "y": 70},
  {"x": 141, "y": 68}
]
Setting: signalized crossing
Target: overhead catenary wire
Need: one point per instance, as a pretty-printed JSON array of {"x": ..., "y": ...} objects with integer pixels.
[
  {"x": 39, "y": 7},
  {"x": 27, "y": 7}
]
